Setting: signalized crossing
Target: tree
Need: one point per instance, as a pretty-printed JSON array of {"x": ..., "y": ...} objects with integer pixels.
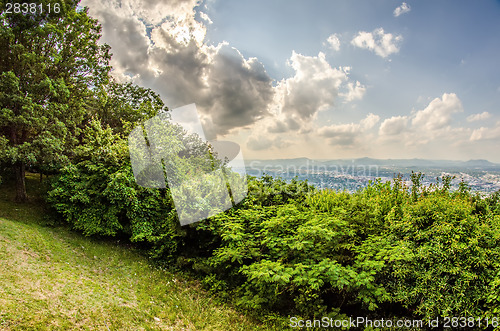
[
  {"x": 50, "y": 66},
  {"x": 120, "y": 106}
]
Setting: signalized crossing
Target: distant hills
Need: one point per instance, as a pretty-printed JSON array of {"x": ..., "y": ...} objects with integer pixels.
[{"x": 386, "y": 163}]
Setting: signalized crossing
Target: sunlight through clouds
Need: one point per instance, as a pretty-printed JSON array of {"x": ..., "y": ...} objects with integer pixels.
[{"x": 273, "y": 104}]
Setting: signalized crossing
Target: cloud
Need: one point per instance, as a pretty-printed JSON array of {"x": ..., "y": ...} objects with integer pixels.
[
  {"x": 438, "y": 113},
  {"x": 333, "y": 42},
  {"x": 383, "y": 44},
  {"x": 259, "y": 143},
  {"x": 281, "y": 124},
  {"x": 313, "y": 88},
  {"x": 348, "y": 134},
  {"x": 433, "y": 124},
  {"x": 478, "y": 117},
  {"x": 161, "y": 46},
  {"x": 262, "y": 142},
  {"x": 369, "y": 121},
  {"x": 393, "y": 126},
  {"x": 484, "y": 133},
  {"x": 232, "y": 91},
  {"x": 403, "y": 9},
  {"x": 129, "y": 54},
  {"x": 341, "y": 134},
  {"x": 205, "y": 17},
  {"x": 240, "y": 90},
  {"x": 354, "y": 92},
  {"x": 151, "y": 12},
  {"x": 127, "y": 26}
]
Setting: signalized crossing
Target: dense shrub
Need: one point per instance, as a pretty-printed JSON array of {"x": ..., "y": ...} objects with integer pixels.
[
  {"x": 386, "y": 250},
  {"x": 436, "y": 257},
  {"x": 98, "y": 195}
]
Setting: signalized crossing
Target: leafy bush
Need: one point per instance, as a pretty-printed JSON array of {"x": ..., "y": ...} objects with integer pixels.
[
  {"x": 386, "y": 250},
  {"x": 98, "y": 194},
  {"x": 435, "y": 256}
]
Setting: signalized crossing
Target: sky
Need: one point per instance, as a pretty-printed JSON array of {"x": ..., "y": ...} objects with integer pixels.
[{"x": 320, "y": 79}]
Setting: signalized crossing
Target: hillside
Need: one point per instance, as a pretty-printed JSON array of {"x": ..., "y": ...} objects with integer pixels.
[{"x": 54, "y": 278}]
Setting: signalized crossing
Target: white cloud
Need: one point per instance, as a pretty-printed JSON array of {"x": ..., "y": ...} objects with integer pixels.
[
  {"x": 478, "y": 117},
  {"x": 433, "y": 124},
  {"x": 438, "y": 113},
  {"x": 270, "y": 133},
  {"x": 162, "y": 46},
  {"x": 354, "y": 92},
  {"x": 403, "y": 9},
  {"x": 205, "y": 17},
  {"x": 282, "y": 123},
  {"x": 369, "y": 121},
  {"x": 393, "y": 126},
  {"x": 240, "y": 90},
  {"x": 313, "y": 88},
  {"x": 484, "y": 133},
  {"x": 297, "y": 100},
  {"x": 383, "y": 44},
  {"x": 258, "y": 143},
  {"x": 151, "y": 12},
  {"x": 348, "y": 134},
  {"x": 333, "y": 42}
]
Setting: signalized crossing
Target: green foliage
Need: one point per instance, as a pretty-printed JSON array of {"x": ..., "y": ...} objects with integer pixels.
[
  {"x": 50, "y": 65},
  {"x": 98, "y": 194},
  {"x": 436, "y": 257},
  {"x": 292, "y": 257},
  {"x": 386, "y": 250},
  {"x": 120, "y": 106},
  {"x": 269, "y": 191}
]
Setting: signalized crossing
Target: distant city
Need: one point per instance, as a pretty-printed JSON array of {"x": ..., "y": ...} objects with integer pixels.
[{"x": 350, "y": 175}]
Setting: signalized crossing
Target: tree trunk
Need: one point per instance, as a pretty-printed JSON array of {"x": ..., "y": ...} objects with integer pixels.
[{"x": 19, "y": 169}]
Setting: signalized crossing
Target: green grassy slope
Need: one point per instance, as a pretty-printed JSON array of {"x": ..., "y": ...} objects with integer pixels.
[{"x": 53, "y": 278}]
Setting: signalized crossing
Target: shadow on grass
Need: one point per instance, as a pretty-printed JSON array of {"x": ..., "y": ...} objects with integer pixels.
[{"x": 33, "y": 211}]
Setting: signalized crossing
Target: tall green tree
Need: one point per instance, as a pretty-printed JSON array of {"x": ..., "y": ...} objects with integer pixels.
[
  {"x": 50, "y": 67},
  {"x": 123, "y": 105}
]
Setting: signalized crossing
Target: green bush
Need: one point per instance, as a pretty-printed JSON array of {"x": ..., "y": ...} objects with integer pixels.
[
  {"x": 98, "y": 194},
  {"x": 387, "y": 250},
  {"x": 436, "y": 257}
]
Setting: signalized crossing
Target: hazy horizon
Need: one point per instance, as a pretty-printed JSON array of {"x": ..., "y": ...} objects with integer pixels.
[{"x": 374, "y": 158}]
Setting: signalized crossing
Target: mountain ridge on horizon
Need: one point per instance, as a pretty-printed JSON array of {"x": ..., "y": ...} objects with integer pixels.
[{"x": 387, "y": 162}]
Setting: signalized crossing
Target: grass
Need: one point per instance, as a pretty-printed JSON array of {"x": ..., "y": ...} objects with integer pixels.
[{"x": 53, "y": 278}]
